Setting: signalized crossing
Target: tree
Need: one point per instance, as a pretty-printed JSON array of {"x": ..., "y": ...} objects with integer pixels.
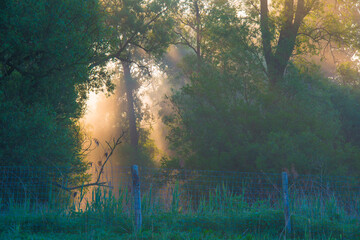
[
  {"x": 348, "y": 74},
  {"x": 139, "y": 29},
  {"x": 301, "y": 26},
  {"x": 46, "y": 49},
  {"x": 215, "y": 127},
  {"x": 226, "y": 117},
  {"x": 190, "y": 26},
  {"x": 220, "y": 88}
]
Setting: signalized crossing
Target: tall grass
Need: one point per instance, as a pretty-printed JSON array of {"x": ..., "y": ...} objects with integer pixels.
[{"x": 218, "y": 214}]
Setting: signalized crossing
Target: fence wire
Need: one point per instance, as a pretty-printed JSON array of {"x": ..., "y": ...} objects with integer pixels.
[
  {"x": 247, "y": 202},
  {"x": 35, "y": 185}
]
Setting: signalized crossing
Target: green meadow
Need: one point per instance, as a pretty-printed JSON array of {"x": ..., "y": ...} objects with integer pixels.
[{"x": 218, "y": 216}]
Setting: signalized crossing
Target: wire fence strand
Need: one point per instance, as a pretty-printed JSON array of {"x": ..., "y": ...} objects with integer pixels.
[{"x": 316, "y": 202}]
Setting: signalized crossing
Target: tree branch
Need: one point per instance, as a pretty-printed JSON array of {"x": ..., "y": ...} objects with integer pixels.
[
  {"x": 186, "y": 42},
  {"x": 128, "y": 41},
  {"x": 113, "y": 55},
  {"x": 112, "y": 146},
  {"x": 108, "y": 155},
  {"x": 102, "y": 184}
]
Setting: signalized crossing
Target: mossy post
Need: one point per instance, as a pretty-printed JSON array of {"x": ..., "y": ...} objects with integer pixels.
[
  {"x": 137, "y": 196},
  {"x": 285, "y": 186}
]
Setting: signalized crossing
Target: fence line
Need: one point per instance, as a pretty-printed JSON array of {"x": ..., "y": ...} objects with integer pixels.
[
  {"x": 20, "y": 183},
  {"x": 306, "y": 196}
]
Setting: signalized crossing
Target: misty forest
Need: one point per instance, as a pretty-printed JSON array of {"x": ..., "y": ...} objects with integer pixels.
[{"x": 226, "y": 85}]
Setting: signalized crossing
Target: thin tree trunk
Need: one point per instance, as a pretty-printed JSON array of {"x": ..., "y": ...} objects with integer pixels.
[
  {"x": 265, "y": 32},
  {"x": 129, "y": 85},
  {"x": 198, "y": 34}
]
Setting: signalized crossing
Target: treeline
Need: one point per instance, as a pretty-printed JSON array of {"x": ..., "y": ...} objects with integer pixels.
[
  {"x": 250, "y": 97},
  {"x": 255, "y": 100}
]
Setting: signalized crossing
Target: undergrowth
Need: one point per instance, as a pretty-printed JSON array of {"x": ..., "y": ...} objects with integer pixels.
[{"x": 220, "y": 215}]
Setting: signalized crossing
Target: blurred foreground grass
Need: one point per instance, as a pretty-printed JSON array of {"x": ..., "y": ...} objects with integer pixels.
[{"x": 218, "y": 216}]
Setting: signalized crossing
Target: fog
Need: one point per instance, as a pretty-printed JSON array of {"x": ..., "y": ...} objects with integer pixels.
[{"x": 105, "y": 115}]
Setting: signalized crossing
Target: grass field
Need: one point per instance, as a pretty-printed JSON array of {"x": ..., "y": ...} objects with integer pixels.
[{"x": 219, "y": 216}]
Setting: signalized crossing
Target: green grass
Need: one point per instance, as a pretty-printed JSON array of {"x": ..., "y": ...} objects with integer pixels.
[{"x": 218, "y": 216}]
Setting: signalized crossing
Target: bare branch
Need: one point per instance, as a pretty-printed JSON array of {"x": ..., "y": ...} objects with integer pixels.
[
  {"x": 112, "y": 148},
  {"x": 102, "y": 184}
]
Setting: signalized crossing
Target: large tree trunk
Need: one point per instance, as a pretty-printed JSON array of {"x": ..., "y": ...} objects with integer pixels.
[
  {"x": 129, "y": 85},
  {"x": 276, "y": 61}
]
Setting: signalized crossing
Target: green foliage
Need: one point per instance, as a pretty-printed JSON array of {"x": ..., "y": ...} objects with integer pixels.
[
  {"x": 141, "y": 24},
  {"x": 139, "y": 33},
  {"x": 46, "y": 48},
  {"x": 346, "y": 101},
  {"x": 45, "y": 51},
  {"x": 228, "y": 118},
  {"x": 301, "y": 126},
  {"x": 348, "y": 74},
  {"x": 31, "y": 136}
]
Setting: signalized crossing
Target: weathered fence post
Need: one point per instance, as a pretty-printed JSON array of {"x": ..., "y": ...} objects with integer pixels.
[
  {"x": 137, "y": 196},
  {"x": 285, "y": 186}
]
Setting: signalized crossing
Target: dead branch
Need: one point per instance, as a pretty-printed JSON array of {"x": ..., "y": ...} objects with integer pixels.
[
  {"x": 101, "y": 184},
  {"x": 112, "y": 146}
]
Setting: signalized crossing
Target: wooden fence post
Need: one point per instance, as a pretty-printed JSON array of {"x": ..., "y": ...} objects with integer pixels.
[
  {"x": 285, "y": 186},
  {"x": 137, "y": 196}
]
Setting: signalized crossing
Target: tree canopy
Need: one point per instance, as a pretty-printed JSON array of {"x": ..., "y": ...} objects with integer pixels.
[
  {"x": 236, "y": 114},
  {"x": 255, "y": 96},
  {"x": 45, "y": 53}
]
